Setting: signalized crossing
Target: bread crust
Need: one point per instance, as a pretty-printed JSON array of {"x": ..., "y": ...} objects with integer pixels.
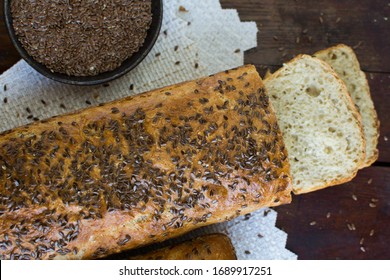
[
  {"x": 141, "y": 170},
  {"x": 369, "y": 160},
  {"x": 209, "y": 247},
  {"x": 348, "y": 101}
]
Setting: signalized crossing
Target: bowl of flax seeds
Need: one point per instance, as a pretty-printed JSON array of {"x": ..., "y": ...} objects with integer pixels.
[{"x": 83, "y": 42}]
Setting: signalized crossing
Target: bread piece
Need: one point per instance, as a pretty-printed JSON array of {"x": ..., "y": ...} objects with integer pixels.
[
  {"x": 345, "y": 63},
  {"x": 141, "y": 170},
  {"x": 208, "y": 247},
  {"x": 320, "y": 124}
]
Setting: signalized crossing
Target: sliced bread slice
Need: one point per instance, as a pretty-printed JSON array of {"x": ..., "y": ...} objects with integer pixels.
[
  {"x": 345, "y": 63},
  {"x": 321, "y": 126}
]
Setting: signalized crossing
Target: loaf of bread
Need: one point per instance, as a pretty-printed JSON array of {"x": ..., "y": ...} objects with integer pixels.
[
  {"x": 141, "y": 170},
  {"x": 209, "y": 247},
  {"x": 321, "y": 126}
]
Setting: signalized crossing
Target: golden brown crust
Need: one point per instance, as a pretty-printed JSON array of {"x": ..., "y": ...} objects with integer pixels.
[
  {"x": 267, "y": 74},
  {"x": 141, "y": 170},
  {"x": 208, "y": 247}
]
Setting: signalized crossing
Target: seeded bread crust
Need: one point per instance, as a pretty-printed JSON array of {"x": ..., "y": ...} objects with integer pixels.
[
  {"x": 208, "y": 247},
  {"x": 141, "y": 170},
  {"x": 346, "y": 98},
  {"x": 358, "y": 87}
]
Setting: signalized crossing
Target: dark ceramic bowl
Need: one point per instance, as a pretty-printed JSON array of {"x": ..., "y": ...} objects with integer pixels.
[{"x": 127, "y": 65}]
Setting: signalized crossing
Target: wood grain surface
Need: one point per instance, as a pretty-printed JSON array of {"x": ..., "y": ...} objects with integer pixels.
[{"x": 350, "y": 221}]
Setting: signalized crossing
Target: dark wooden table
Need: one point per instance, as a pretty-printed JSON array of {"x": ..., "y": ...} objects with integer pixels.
[{"x": 350, "y": 221}]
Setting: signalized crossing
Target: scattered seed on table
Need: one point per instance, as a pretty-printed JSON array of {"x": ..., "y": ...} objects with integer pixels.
[
  {"x": 183, "y": 9},
  {"x": 351, "y": 227},
  {"x": 357, "y": 45}
]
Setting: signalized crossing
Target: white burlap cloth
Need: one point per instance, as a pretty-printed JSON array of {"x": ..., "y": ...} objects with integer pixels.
[{"x": 197, "y": 38}]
